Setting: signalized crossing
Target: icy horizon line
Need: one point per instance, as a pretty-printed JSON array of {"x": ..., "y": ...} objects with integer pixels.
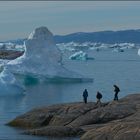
[{"x": 80, "y": 32}]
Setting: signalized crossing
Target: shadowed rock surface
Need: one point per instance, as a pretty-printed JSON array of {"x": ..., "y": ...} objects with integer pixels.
[
  {"x": 57, "y": 131},
  {"x": 107, "y": 121},
  {"x": 10, "y": 54}
]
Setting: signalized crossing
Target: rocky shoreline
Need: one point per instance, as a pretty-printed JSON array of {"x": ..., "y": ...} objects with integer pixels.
[{"x": 115, "y": 120}]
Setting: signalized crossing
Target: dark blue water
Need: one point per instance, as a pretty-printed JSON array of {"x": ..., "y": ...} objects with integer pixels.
[{"x": 107, "y": 69}]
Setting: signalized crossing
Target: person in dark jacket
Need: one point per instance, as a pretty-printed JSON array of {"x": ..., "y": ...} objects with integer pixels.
[
  {"x": 99, "y": 97},
  {"x": 85, "y": 95},
  {"x": 116, "y": 90}
]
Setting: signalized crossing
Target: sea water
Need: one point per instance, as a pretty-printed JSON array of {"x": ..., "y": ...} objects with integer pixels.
[{"x": 106, "y": 69}]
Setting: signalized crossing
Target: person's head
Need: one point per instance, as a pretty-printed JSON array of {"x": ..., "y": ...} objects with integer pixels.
[
  {"x": 114, "y": 85},
  {"x": 85, "y": 89}
]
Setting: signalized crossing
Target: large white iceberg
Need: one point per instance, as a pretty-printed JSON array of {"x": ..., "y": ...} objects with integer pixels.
[{"x": 42, "y": 60}]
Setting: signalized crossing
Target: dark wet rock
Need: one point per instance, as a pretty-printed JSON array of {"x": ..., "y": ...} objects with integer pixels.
[{"x": 116, "y": 120}]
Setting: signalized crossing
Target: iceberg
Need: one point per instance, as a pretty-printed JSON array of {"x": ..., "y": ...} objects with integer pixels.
[
  {"x": 138, "y": 51},
  {"x": 9, "y": 85},
  {"x": 63, "y": 47},
  {"x": 41, "y": 61},
  {"x": 118, "y": 50},
  {"x": 80, "y": 56}
]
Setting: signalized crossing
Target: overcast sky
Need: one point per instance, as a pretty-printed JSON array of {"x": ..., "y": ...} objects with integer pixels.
[{"x": 18, "y": 19}]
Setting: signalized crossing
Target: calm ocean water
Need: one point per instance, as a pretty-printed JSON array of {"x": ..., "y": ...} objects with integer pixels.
[{"x": 107, "y": 69}]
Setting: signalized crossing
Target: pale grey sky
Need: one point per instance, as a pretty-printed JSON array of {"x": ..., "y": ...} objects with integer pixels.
[{"x": 19, "y": 18}]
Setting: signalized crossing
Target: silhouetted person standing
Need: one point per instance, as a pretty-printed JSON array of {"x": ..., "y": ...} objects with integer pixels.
[
  {"x": 99, "y": 97},
  {"x": 116, "y": 90},
  {"x": 85, "y": 95}
]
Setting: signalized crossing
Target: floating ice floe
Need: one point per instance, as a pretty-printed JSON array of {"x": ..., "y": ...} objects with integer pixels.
[
  {"x": 42, "y": 61},
  {"x": 80, "y": 56},
  {"x": 76, "y": 46},
  {"x": 118, "y": 50}
]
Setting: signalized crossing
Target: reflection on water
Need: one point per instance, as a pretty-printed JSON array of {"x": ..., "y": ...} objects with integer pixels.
[
  {"x": 107, "y": 69},
  {"x": 13, "y": 106}
]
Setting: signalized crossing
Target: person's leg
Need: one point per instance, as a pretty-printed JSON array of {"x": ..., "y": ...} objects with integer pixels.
[
  {"x": 98, "y": 101},
  {"x": 115, "y": 96},
  {"x": 85, "y": 100}
]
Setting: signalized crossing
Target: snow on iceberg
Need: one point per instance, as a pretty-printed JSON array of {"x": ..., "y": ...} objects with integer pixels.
[{"x": 42, "y": 60}]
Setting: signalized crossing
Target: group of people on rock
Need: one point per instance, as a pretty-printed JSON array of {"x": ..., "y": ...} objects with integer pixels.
[{"x": 99, "y": 95}]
